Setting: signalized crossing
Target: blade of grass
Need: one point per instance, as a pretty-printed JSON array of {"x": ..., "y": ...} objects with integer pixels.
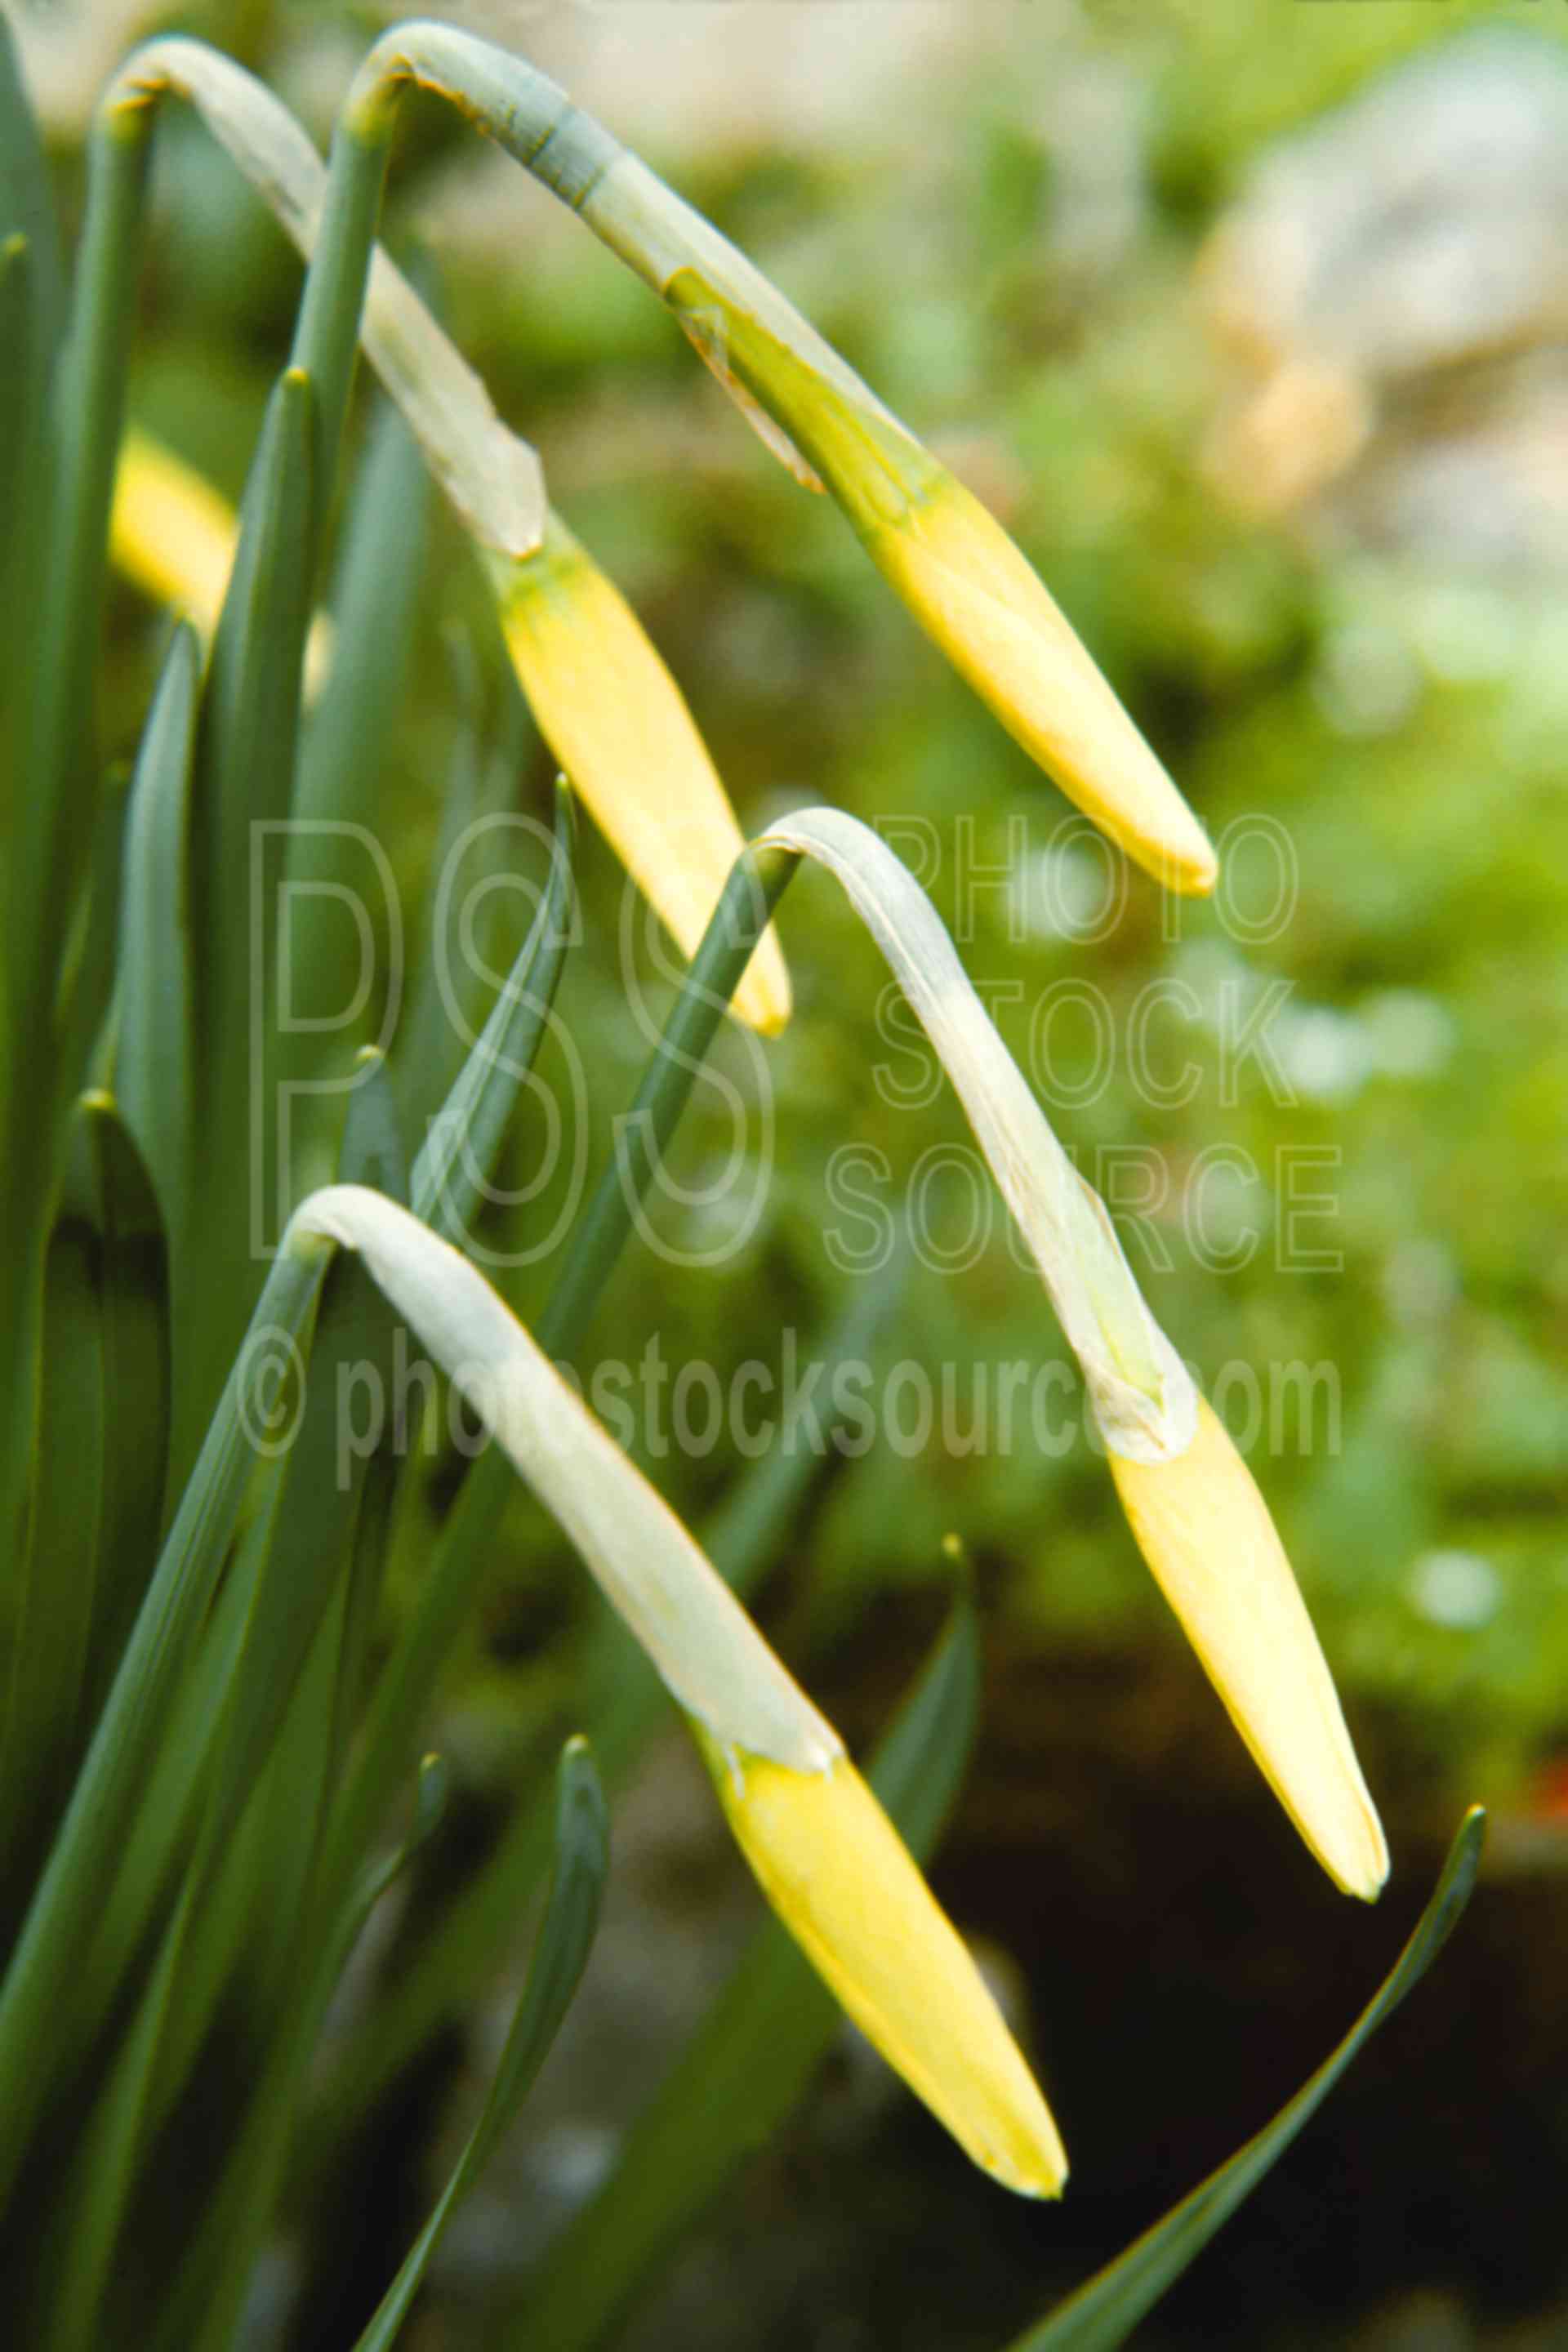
[
  {"x": 559, "y": 1954},
  {"x": 1104, "y": 2313},
  {"x": 752, "y": 2057}
]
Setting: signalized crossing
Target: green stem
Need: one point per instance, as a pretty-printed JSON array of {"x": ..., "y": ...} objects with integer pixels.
[
  {"x": 326, "y": 333},
  {"x": 758, "y": 880}
]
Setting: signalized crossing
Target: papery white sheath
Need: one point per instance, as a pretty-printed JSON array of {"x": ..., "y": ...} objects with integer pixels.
[
  {"x": 491, "y": 476},
  {"x": 1143, "y": 1398},
  {"x": 711, "y": 1656}
]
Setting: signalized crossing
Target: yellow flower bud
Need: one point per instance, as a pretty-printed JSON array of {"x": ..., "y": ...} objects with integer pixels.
[
  {"x": 616, "y": 721},
  {"x": 1205, "y": 1531},
  {"x": 844, "y": 1884},
  {"x": 962, "y": 578},
  {"x": 974, "y": 592},
  {"x": 172, "y": 534}
]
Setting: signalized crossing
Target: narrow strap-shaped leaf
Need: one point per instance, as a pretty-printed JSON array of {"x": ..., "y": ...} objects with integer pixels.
[
  {"x": 311, "y": 1533},
  {"x": 87, "y": 973},
  {"x": 232, "y": 1936},
  {"x": 54, "y": 1619},
  {"x": 757, "y": 883},
  {"x": 451, "y": 994},
  {"x": 98, "y": 1496},
  {"x": 57, "y": 812},
  {"x": 1104, "y": 2313},
  {"x": 378, "y": 1876},
  {"x": 57, "y": 1944},
  {"x": 25, "y": 206},
  {"x": 374, "y": 1151},
  {"x": 466, "y": 1136},
  {"x": 134, "y": 1296},
  {"x": 374, "y": 603},
  {"x": 155, "y": 1015},
  {"x": 560, "y": 1954},
  {"x": 338, "y": 796},
  {"x": 240, "y": 799},
  {"x": 753, "y": 2054},
  {"x": 251, "y": 716}
]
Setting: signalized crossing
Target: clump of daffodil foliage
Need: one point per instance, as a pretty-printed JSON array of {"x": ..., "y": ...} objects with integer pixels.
[{"x": 238, "y": 1564}]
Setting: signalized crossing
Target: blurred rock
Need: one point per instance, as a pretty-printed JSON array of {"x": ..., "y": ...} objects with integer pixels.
[{"x": 1393, "y": 288}]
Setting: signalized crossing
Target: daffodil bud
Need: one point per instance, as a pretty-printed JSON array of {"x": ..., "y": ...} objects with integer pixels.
[
  {"x": 844, "y": 1884},
  {"x": 962, "y": 578},
  {"x": 616, "y": 721},
  {"x": 172, "y": 534},
  {"x": 828, "y": 1858},
  {"x": 1202, "y": 1524},
  {"x": 1205, "y": 1531}
]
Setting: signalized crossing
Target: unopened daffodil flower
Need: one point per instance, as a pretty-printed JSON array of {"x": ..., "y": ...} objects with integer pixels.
[
  {"x": 1192, "y": 1504},
  {"x": 618, "y": 724},
  {"x": 825, "y": 1852},
  {"x": 604, "y": 699}
]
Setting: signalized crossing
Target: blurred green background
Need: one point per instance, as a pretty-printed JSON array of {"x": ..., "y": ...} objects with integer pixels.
[{"x": 1253, "y": 326}]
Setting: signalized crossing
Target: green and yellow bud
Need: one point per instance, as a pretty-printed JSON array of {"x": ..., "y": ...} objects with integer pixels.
[
  {"x": 844, "y": 1884},
  {"x": 617, "y": 723},
  {"x": 175, "y": 536},
  {"x": 966, "y": 582},
  {"x": 1205, "y": 1531}
]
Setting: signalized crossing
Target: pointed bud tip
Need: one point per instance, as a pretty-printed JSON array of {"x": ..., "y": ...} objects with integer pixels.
[
  {"x": 618, "y": 724},
  {"x": 844, "y": 1884},
  {"x": 1205, "y": 1532},
  {"x": 977, "y": 594}
]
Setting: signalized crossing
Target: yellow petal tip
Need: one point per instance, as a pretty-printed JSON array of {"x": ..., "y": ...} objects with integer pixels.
[
  {"x": 618, "y": 724},
  {"x": 976, "y": 593},
  {"x": 843, "y": 1882},
  {"x": 1205, "y": 1532}
]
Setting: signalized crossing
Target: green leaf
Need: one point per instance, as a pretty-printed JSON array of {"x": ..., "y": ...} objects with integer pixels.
[
  {"x": 378, "y": 1876},
  {"x": 65, "y": 1971},
  {"x": 240, "y": 802},
  {"x": 374, "y": 602},
  {"x": 26, "y": 207},
  {"x": 754, "y": 2053},
  {"x": 341, "y": 892},
  {"x": 32, "y": 304},
  {"x": 155, "y": 1014},
  {"x": 373, "y": 1148},
  {"x": 214, "y": 2264},
  {"x": 97, "y": 1500},
  {"x": 87, "y": 973},
  {"x": 1104, "y": 2313},
  {"x": 560, "y": 1954},
  {"x": 451, "y": 994},
  {"x": 53, "y": 1622},
  {"x": 465, "y": 1138}
]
